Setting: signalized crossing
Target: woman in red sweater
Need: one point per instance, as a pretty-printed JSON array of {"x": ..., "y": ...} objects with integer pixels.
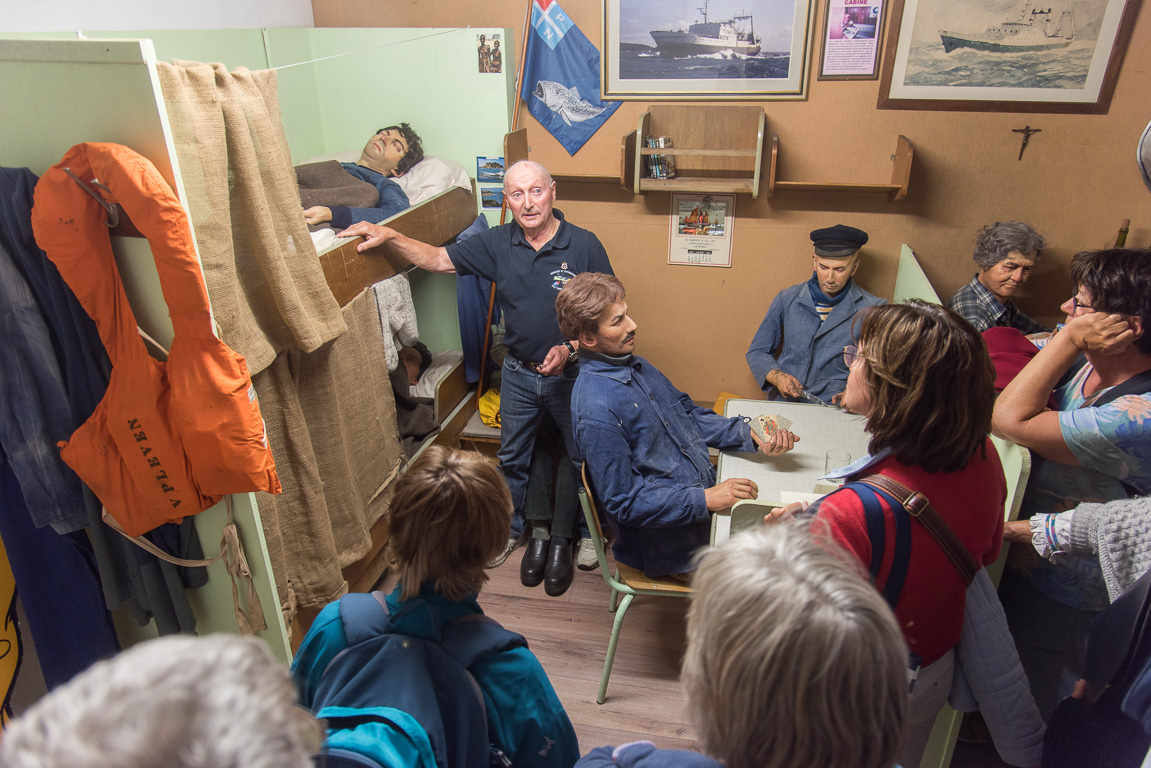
[{"x": 923, "y": 378}]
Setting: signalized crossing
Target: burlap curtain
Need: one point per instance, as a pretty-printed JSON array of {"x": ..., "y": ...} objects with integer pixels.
[{"x": 332, "y": 429}]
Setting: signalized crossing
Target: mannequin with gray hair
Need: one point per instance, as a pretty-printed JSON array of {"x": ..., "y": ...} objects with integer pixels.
[
  {"x": 1005, "y": 253},
  {"x": 218, "y": 701},
  {"x": 793, "y": 661}
]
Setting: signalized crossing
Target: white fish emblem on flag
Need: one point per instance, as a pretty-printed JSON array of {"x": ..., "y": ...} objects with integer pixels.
[{"x": 565, "y": 102}]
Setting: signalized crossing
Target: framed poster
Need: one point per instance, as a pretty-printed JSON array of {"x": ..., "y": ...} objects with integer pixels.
[
  {"x": 659, "y": 50},
  {"x": 851, "y": 35},
  {"x": 701, "y": 228},
  {"x": 1005, "y": 56}
]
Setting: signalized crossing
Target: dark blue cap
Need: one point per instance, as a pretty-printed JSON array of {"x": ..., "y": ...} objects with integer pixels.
[{"x": 839, "y": 241}]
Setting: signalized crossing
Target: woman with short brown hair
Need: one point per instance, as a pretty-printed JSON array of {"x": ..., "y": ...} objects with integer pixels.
[{"x": 923, "y": 378}]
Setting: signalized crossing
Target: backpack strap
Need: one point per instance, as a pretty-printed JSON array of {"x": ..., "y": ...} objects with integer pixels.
[
  {"x": 1138, "y": 384},
  {"x": 877, "y": 533},
  {"x": 471, "y": 638},
  {"x": 364, "y": 615},
  {"x": 919, "y": 507}
]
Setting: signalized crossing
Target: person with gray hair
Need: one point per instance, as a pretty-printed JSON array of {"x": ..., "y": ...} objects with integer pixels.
[
  {"x": 1005, "y": 253},
  {"x": 529, "y": 259},
  {"x": 218, "y": 701},
  {"x": 793, "y": 661}
]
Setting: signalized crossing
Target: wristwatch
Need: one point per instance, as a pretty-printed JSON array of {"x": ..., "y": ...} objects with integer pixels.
[{"x": 572, "y": 354}]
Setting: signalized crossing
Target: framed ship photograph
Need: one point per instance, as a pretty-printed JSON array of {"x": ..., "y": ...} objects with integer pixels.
[
  {"x": 659, "y": 50},
  {"x": 1005, "y": 55}
]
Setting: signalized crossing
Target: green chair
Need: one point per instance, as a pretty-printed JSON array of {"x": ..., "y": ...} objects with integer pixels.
[
  {"x": 746, "y": 513},
  {"x": 1016, "y": 462},
  {"x": 624, "y": 580}
]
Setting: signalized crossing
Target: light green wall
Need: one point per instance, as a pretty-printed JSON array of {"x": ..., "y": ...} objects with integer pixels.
[
  {"x": 61, "y": 93},
  {"x": 337, "y": 86}
]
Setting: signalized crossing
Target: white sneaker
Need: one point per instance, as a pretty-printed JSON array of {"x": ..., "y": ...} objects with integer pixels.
[
  {"x": 513, "y": 542},
  {"x": 586, "y": 559}
]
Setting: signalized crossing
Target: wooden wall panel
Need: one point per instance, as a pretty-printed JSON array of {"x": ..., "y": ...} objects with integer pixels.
[{"x": 1075, "y": 183}]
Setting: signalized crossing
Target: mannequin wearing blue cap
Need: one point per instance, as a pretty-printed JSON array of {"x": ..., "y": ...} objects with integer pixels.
[{"x": 799, "y": 344}]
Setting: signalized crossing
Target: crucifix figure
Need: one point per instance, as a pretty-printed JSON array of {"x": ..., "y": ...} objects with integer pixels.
[{"x": 1026, "y": 130}]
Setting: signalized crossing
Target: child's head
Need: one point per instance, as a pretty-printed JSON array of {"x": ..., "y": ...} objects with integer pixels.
[{"x": 450, "y": 517}]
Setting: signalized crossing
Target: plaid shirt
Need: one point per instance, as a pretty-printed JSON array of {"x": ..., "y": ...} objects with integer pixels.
[{"x": 979, "y": 307}]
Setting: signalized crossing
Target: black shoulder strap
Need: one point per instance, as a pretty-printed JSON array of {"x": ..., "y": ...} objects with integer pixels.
[{"x": 1138, "y": 384}]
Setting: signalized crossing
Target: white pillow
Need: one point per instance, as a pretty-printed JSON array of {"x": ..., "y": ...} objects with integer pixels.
[
  {"x": 442, "y": 364},
  {"x": 430, "y": 177}
]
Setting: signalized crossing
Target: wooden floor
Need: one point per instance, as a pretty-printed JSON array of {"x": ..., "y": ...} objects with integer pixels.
[{"x": 569, "y": 635}]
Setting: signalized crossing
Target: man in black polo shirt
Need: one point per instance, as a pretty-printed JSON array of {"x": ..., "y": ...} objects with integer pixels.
[{"x": 529, "y": 260}]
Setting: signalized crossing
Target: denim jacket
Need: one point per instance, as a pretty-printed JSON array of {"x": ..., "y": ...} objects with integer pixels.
[
  {"x": 792, "y": 339},
  {"x": 645, "y": 443}
]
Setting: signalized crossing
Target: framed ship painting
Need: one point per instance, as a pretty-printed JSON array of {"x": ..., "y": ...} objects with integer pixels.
[
  {"x": 1005, "y": 55},
  {"x": 658, "y": 50}
]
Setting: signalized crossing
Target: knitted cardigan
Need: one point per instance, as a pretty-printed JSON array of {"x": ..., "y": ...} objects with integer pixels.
[{"x": 1119, "y": 534}]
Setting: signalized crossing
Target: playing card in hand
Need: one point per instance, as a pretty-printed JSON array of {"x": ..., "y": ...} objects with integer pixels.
[{"x": 766, "y": 425}]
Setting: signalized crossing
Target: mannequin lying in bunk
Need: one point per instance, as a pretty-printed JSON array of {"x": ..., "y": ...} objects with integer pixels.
[{"x": 338, "y": 195}]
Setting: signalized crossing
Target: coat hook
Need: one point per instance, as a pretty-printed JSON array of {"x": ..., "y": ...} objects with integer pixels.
[{"x": 111, "y": 210}]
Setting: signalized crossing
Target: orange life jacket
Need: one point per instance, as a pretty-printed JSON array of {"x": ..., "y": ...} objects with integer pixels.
[{"x": 169, "y": 438}]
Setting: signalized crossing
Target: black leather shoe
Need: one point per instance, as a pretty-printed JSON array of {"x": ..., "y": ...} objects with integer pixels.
[
  {"x": 532, "y": 566},
  {"x": 558, "y": 573}
]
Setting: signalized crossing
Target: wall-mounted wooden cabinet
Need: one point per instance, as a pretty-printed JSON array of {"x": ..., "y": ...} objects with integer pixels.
[{"x": 714, "y": 149}]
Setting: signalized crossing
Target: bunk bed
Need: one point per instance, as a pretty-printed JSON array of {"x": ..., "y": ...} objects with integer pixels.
[{"x": 130, "y": 109}]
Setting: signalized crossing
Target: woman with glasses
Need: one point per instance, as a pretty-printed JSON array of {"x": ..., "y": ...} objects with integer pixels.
[
  {"x": 923, "y": 378},
  {"x": 1094, "y": 446}
]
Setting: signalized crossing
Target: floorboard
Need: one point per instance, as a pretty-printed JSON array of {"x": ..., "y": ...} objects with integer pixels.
[{"x": 569, "y": 635}]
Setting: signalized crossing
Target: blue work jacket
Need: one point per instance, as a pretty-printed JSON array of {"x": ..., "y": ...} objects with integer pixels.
[
  {"x": 811, "y": 351},
  {"x": 645, "y": 443}
]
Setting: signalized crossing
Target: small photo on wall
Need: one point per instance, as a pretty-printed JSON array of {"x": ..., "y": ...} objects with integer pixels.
[
  {"x": 490, "y": 170},
  {"x": 491, "y": 54},
  {"x": 491, "y": 197}
]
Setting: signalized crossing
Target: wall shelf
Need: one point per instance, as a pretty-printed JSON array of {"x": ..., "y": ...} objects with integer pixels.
[
  {"x": 516, "y": 149},
  {"x": 897, "y": 188},
  {"x": 716, "y": 149}
]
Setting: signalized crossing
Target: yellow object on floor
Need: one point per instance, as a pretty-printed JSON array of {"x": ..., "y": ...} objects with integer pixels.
[{"x": 490, "y": 408}]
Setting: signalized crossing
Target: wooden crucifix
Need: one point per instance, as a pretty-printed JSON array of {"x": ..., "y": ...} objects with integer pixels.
[{"x": 1026, "y": 130}]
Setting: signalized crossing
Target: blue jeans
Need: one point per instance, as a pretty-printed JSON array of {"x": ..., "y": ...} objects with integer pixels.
[{"x": 524, "y": 398}]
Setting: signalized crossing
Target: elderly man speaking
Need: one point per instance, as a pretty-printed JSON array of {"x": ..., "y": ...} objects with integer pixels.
[{"x": 529, "y": 260}]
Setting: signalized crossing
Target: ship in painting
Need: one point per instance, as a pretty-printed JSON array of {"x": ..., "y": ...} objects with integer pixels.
[
  {"x": 736, "y": 34},
  {"x": 1034, "y": 30}
]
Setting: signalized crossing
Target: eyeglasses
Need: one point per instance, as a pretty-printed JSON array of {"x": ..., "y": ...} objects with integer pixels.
[
  {"x": 850, "y": 355},
  {"x": 1077, "y": 305}
]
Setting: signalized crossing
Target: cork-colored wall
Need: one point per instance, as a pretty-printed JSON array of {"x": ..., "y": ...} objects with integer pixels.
[{"x": 1077, "y": 180}]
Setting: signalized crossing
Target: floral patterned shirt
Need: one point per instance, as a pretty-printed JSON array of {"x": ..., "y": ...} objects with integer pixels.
[{"x": 1113, "y": 443}]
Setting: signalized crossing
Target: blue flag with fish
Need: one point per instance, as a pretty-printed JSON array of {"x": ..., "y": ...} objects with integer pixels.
[{"x": 561, "y": 78}]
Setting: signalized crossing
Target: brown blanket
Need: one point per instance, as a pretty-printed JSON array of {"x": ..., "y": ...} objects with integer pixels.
[{"x": 328, "y": 184}]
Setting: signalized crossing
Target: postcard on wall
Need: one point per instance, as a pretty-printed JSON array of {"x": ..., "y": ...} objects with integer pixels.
[
  {"x": 701, "y": 227},
  {"x": 491, "y": 57},
  {"x": 851, "y": 39},
  {"x": 491, "y": 197},
  {"x": 490, "y": 170}
]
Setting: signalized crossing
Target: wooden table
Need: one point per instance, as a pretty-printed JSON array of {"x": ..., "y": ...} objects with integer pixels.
[{"x": 820, "y": 429}]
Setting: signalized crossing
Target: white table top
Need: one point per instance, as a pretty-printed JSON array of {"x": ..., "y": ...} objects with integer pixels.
[{"x": 819, "y": 429}]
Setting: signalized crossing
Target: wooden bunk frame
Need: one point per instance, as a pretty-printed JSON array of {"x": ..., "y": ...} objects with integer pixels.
[
  {"x": 349, "y": 272},
  {"x": 436, "y": 220}
]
